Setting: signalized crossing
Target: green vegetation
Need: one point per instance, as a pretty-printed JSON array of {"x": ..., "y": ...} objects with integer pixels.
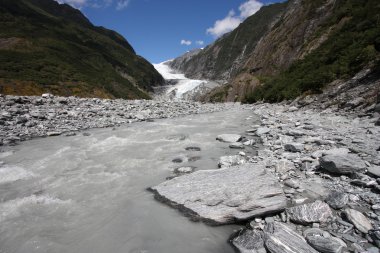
[
  {"x": 56, "y": 48},
  {"x": 219, "y": 94},
  {"x": 349, "y": 49}
]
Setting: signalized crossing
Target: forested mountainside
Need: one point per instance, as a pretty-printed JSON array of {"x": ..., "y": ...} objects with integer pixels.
[
  {"x": 306, "y": 44},
  {"x": 50, "y": 47}
]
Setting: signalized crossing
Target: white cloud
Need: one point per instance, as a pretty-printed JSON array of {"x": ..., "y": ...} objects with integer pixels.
[
  {"x": 249, "y": 8},
  {"x": 118, "y": 4},
  {"x": 74, "y": 3},
  {"x": 224, "y": 25},
  {"x": 186, "y": 42},
  {"x": 122, "y": 4},
  {"x": 231, "y": 21},
  {"x": 200, "y": 42}
]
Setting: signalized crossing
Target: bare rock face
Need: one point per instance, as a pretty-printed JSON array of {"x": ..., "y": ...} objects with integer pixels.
[
  {"x": 317, "y": 211},
  {"x": 342, "y": 164},
  {"x": 224, "y": 196},
  {"x": 280, "y": 238},
  {"x": 359, "y": 220}
]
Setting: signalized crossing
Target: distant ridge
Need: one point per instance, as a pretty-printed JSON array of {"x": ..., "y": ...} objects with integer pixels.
[{"x": 50, "y": 47}]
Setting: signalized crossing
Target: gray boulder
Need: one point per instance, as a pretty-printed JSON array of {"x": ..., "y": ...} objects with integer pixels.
[
  {"x": 230, "y": 138},
  {"x": 279, "y": 238},
  {"x": 323, "y": 241},
  {"x": 337, "y": 199},
  {"x": 228, "y": 161},
  {"x": 343, "y": 164},
  {"x": 262, "y": 130},
  {"x": 359, "y": 220},
  {"x": 226, "y": 195},
  {"x": 294, "y": 147},
  {"x": 237, "y": 145},
  {"x": 374, "y": 171},
  {"x": 317, "y": 211},
  {"x": 249, "y": 241}
]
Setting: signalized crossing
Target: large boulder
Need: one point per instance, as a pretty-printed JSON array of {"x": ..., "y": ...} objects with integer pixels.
[
  {"x": 279, "y": 238},
  {"x": 249, "y": 241},
  {"x": 342, "y": 164},
  {"x": 317, "y": 211},
  {"x": 359, "y": 220},
  {"x": 323, "y": 241},
  {"x": 226, "y": 195},
  {"x": 337, "y": 199},
  {"x": 294, "y": 147}
]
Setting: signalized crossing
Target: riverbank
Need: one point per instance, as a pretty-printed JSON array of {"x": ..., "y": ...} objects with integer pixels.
[
  {"x": 321, "y": 169},
  {"x": 23, "y": 118}
]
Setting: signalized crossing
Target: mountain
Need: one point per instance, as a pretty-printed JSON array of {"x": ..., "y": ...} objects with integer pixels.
[
  {"x": 222, "y": 59},
  {"x": 289, "y": 49},
  {"x": 50, "y": 47}
]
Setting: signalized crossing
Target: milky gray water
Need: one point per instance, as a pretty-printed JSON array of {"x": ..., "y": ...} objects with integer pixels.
[{"x": 88, "y": 193}]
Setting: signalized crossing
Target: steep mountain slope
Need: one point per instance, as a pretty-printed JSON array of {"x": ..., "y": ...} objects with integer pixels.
[
  {"x": 224, "y": 58},
  {"x": 308, "y": 44},
  {"x": 51, "y": 47}
]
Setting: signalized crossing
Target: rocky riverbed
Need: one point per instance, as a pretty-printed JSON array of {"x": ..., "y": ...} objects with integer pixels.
[
  {"x": 305, "y": 178},
  {"x": 22, "y": 118},
  {"x": 313, "y": 186}
]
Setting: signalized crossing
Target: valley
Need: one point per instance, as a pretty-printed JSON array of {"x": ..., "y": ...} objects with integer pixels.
[{"x": 264, "y": 139}]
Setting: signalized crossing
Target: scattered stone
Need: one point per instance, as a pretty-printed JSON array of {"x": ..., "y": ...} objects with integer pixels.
[
  {"x": 177, "y": 160},
  {"x": 317, "y": 211},
  {"x": 323, "y": 241},
  {"x": 224, "y": 196},
  {"x": 228, "y": 161},
  {"x": 237, "y": 145},
  {"x": 343, "y": 164},
  {"x": 249, "y": 241},
  {"x": 374, "y": 171},
  {"x": 184, "y": 170},
  {"x": 279, "y": 238},
  {"x": 229, "y": 138},
  {"x": 337, "y": 199},
  {"x": 359, "y": 220},
  {"x": 294, "y": 147},
  {"x": 193, "y": 148},
  {"x": 53, "y": 133},
  {"x": 262, "y": 130}
]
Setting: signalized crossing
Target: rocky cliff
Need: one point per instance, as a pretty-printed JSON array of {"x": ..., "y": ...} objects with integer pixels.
[
  {"x": 51, "y": 47},
  {"x": 224, "y": 58},
  {"x": 291, "y": 49}
]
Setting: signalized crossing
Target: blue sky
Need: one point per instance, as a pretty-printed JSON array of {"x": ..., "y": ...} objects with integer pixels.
[{"x": 163, "y": 29}]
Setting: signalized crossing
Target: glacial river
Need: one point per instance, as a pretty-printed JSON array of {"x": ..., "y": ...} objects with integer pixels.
[{"x": 88, "y": 193}]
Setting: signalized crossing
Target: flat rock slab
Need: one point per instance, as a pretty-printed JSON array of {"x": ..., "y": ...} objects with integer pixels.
[
  {"x": 359, "y": 220},
  {"x": 317, "y": 211},
  {"x": 224, "y": 196},
  {"x": 343, "y": 164},
  {"x": 230, "y": 138}
]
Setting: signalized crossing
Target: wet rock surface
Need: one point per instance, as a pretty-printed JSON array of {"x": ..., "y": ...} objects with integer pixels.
[{"x": 226, "y": 195}]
